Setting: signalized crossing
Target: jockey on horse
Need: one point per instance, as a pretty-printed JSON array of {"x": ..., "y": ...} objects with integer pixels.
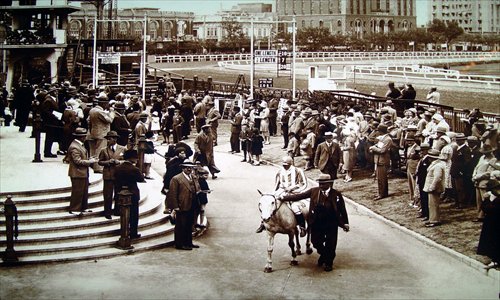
[{"x": 291, "y": 180}]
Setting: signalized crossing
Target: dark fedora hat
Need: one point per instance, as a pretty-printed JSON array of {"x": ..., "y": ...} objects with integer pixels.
[
  {"x": 112, "y": 133},
  {"x": 128, "y": 154},
  {"x": 486, "y": 149},
  {"x": 119, "y": 106},
  {"x": 382, "y": 128},
  {"x": 80, "y": 132},
  {"x": 324, "y": 178}
]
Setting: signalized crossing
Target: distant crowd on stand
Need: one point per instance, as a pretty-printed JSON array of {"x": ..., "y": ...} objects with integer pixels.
[{"x": 441, "y": 165}]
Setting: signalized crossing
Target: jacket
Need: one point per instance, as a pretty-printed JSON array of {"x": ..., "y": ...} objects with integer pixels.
[
  {"x": 323, "y": 153},
  {"x": 182, "y": 192},
  {"x": 78, "y": 160},
  {"x": 434, "y": 182},
  {"x": 317, "y": 198}
]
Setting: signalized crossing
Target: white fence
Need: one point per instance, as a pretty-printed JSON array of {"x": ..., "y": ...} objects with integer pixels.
[{"x": 336, "y": 56}]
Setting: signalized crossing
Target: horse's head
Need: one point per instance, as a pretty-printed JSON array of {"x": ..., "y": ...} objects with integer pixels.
[{"x": 267, "y": 206}]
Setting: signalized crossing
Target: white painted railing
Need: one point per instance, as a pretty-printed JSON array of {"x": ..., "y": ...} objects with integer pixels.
[{"x": 328, "y": 56}]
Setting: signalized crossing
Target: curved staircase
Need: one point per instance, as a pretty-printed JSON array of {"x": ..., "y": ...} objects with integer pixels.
[{"x": 48, "y": 233}]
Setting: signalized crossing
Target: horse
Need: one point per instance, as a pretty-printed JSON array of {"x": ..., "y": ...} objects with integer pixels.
[{"x": 278, "y": 217}]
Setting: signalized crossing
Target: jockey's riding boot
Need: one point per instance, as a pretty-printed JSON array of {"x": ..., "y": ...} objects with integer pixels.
[
  {"x": 302, "y": 224},
  {"x": 261, "y": 228}
]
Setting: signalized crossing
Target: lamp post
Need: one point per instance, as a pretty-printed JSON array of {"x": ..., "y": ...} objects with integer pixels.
[
  {"x": 125, "y": 200},
  {"x": 11, "y": 231},
  {"x": 141, "y": 147},
  {"x": 37, "y": 129}
]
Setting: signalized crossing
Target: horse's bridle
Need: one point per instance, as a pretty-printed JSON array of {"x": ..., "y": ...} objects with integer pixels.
[{"x": 276, "y": 207}]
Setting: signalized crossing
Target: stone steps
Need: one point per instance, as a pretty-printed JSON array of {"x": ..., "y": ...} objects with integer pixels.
[
  {"x": 72, "y": 222},
  {"x": 48, "y": 233}
]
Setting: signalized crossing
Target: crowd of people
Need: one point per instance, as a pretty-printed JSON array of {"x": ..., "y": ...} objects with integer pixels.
[
  {"x": 333, "y": 136},
  {"x": 441, "y": 165}
]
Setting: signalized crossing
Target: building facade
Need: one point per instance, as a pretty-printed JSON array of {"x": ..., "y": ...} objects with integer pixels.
[
  {"x": 210, "y": 27},
  {"x": 473, "y": 16},
  {"x": 162, "y": 26},
  {"x": 350, "y": 17}
]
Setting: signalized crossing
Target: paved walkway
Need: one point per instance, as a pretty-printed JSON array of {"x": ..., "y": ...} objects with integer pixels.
[{"x": 17, "y": 171}]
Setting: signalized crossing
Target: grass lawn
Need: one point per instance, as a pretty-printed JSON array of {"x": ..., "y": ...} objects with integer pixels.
[{"x": 487, "y": 102}]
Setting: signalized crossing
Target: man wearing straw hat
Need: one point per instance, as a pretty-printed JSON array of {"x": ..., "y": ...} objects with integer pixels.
[
  {"x": 327, "y": 214},
  {"x": 109, "y": 158},
  {"x": 78, "y": 171}
]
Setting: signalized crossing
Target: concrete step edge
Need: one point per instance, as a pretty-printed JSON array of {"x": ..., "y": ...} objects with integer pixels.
[
  {"x": 146, "y": 212},
  {"x": 81, "y": 246},
  {"x": 59, "y": 215},
  {"x": 107, "y": 231},
  {"x": 73, "y": 224},
  {"x": 55, "y": 197},
  {"x": 94, "y": 179}
]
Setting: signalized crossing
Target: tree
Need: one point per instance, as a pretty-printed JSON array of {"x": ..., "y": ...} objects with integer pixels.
[
  {"x": 314, "y": 38},
  {"x": 234, "y": 37},
  {"x": 446, "y": 32}
]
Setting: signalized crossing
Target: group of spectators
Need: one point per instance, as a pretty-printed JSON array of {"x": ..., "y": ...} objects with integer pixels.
[
  {"x": 398, "y": 137},
  {"x": 334, "y": 136}
]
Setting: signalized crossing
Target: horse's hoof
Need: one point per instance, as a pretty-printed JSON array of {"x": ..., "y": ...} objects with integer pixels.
[
  {"x": 309, "y": 251},
  {"x": 298, "y": 252},
  {"x": 268, "y": 270},
  {"x": 294, "y": 263}
]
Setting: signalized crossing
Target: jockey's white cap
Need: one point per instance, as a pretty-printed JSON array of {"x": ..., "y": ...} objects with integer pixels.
[{"x": 287, "y": 160}]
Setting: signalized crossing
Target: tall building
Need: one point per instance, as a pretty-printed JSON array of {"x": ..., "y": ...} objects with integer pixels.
[
  {"x": 350, "y": 17},
  {"x": 210, "y": 27},
  {"x": 474, "y": 16}
]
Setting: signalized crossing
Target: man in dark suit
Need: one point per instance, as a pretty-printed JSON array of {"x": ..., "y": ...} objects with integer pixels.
[
  {"x": 23, "y": 99},
  {"x": 120, "y": 124},
  {"x": 273, "y": 115},
  {"x": 128, "y": 175},
  {"x": 51, "y": 122},
  {"x": 183, "y": 201},
  {"x": 78, "y": 171},
  {"x": 382, "y": 160},
  {"x": 459, "y": 160},
  {"x": 236, "y": 130},
  {"x": 109, "y": 158},
  {"x": 285, "y": 118},
  {"x": 327, "y": 156},
  {"x": 327, "y": 214}
]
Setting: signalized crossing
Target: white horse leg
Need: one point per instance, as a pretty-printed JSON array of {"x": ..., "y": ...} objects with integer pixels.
[
  {"x": 294, "y": 262},
  {"x": 309, "y": 250},
  {"x": 270, "y": 245},
  {"x": 297, "y": 240}
]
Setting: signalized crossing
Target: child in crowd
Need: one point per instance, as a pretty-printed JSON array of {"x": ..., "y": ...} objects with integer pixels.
[
  {"x": 202, "y": 196},
  {"x": 249, "y": 136},
  {"x": 257, "y": 145},
  {"x": 243, "y": 140},
  {"x": 155, "y": 123},
  {"x": 149, "y": 154},
  {"x": 166, "y": 125}
]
